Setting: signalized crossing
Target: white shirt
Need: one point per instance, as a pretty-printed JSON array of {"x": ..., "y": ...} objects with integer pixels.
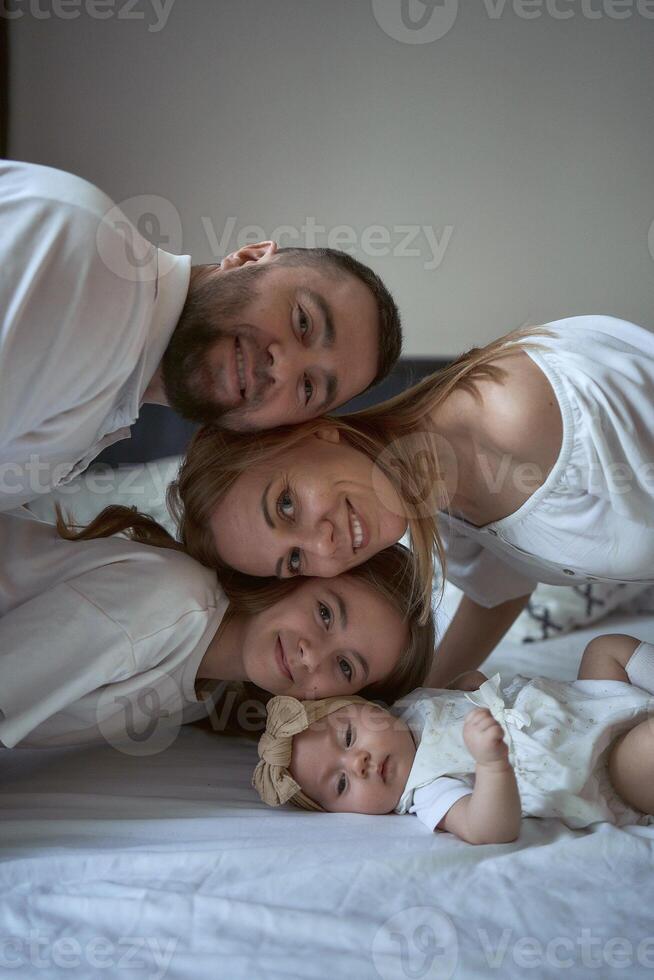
[
  {"x": 99, "y": 639},
  {"x": 87, "y": 308},
  {"x": 593, "y": 518}
]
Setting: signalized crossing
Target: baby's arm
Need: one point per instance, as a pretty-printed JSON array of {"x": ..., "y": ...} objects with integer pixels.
[
  {"x": 606, "y": 657},
  {"x": 491, "y": 813}
]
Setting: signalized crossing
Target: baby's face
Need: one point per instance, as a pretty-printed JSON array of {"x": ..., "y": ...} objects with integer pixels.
[{"x": 356, "y": 760}]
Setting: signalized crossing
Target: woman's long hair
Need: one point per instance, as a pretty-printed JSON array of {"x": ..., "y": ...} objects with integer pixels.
[
  {"x": 216, "y": 458},
  {"x": 389, "y": 574}
]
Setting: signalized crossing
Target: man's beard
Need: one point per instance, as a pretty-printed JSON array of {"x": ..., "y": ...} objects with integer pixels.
[{"x": 211, "y": 312}]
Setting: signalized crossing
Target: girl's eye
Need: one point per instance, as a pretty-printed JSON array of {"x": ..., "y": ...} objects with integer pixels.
[
  {"x": 342, "y": 785},
  {"x": 294, "y": 562},
  {"x": 346, "y": 668},
  {"x": 348, "y": 737},
  {"x": 303, "y": 323},
  {"x": 325, "y": 614},
  {"x": 285, "y": 504},
  {"x": 308, "y": 390}
]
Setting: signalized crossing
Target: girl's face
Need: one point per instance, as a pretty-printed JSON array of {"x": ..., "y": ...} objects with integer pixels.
[
  {"x": 355, "y": 760},
  {"x": 328, "y": 637},
  {"x": 313, "y": 511}
]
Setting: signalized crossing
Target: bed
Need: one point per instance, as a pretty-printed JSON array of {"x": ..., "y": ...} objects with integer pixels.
[{"x": 168, "y": 866}]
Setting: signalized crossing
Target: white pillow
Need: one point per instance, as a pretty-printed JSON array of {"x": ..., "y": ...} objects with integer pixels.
[{"x": 143, "y": 486}]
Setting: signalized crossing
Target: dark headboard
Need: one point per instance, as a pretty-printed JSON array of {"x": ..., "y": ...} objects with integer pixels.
[
  {"x": 161, "y": 432},
  {"x": 4, "y": 86}
]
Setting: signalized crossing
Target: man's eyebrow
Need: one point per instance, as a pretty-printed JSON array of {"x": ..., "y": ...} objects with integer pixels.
[
  {"x": 329, "y": 333},
  {"x": 264, "y": 507},
  {"x": 327, "y": 341},
  {"x": 331, "y": 386}
]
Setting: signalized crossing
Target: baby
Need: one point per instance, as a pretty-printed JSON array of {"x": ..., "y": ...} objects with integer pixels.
[{"x": 473, "y": 764}]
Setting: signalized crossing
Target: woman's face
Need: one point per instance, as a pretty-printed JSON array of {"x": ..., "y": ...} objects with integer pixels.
[
  {"x": 327, "y": 637},
  {"x": 312, "y": 511}
]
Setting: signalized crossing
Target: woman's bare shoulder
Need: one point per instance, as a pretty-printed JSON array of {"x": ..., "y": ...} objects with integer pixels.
[{"x": 520, "y": 413}]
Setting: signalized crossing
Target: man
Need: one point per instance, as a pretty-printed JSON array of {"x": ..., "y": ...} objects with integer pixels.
[{"x": 95, "y": 322}]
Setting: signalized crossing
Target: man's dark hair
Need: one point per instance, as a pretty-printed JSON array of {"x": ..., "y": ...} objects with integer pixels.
[{"x": 388, "y": 315}]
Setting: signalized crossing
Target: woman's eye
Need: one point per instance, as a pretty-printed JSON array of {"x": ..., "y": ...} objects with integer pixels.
[
  {"x": 346, "y": 669},
  {"x": 342, "y": 785},
  {"x": 325, "y": 614},
  {"x": 294, "y": 563},
  {"x": 308, "y": 390},
  {"x": 348, "y": 736},
  {"x": 285, "y": 504}
]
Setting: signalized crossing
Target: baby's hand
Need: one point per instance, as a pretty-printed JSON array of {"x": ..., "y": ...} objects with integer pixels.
[{"x": 484, "y": 737}]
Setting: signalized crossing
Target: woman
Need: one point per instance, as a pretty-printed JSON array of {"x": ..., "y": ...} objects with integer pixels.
[
  {"x": 103, "y": 637},
  {"x": 529, "y": 460}
]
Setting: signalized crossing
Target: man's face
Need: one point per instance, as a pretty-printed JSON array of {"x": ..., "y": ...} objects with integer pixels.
[{"x": 264, "y": 343}]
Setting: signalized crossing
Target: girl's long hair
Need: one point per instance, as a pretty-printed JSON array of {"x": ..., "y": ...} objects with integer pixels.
[
  {"x": 389, "y": 574},
  {"x": 216, "y": 458}
]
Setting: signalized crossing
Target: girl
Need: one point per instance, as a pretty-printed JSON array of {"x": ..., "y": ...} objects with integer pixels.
[
  {"x": 581, "y": 752},
  {"x": 529, "y": 460},
  {"x": 103, "y": 637}
]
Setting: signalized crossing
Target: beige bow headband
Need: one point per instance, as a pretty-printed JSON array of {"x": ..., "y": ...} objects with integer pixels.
[{"x": 288, "y": 717}]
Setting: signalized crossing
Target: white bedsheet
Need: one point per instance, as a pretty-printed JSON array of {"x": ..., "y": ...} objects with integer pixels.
[{"x": 168, "y": 866}]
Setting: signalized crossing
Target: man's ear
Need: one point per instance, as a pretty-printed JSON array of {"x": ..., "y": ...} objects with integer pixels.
[
  {"x": 330, "y": 433},
  {"x": 259, "y": 252}
]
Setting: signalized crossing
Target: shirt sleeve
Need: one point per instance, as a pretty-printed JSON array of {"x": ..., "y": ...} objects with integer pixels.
[
  {"x": 431, "y": 802},
  {"x": 54, "y": 649},
  {"x": 481, "y": 574},
  {"x": 64, "y": 296}
]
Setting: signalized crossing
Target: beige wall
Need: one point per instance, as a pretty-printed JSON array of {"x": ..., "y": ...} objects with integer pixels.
[{"x": 521, "y": 139}]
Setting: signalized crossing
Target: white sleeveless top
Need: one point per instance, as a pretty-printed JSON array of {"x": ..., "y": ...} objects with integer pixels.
[
  {"x": 593, "y": 518},
  {"x": 557, "y": 734}
]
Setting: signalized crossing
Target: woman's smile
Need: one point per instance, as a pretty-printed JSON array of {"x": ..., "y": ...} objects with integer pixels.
[
  {"x": 282, "y": 662},
  {"x": 359, "y": 532}
]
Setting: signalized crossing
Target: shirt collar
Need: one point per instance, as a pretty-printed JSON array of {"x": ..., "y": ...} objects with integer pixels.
[{"x": 170, "y": 288}]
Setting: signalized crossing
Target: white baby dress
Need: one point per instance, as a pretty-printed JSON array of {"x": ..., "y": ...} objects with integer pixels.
[{"x": 557, "y": 733}]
